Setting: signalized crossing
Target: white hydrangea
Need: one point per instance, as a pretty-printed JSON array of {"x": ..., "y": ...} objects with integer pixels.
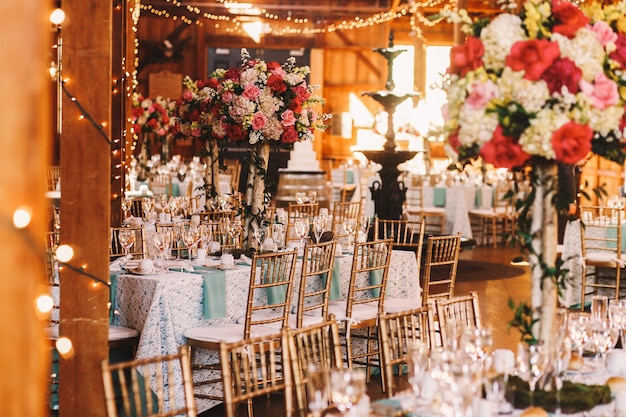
[
  {"x": 476, "y": 127},
  {"x": 292, "y": 78},
  {"x": 531, "y": 95},
  {"x": 585, "y": 50},
  {"x": 605, "y": 121},
  {"x": 498, "y": 37},
  {"x": 249, "y": 76},
  {"x": 537, "y": 138}
]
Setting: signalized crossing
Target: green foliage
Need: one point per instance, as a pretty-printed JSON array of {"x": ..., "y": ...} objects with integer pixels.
[{"x": 523, "y": 321}]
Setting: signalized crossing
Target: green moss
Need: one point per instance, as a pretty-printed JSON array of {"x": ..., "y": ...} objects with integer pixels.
[{"x": 574, "y": 397}]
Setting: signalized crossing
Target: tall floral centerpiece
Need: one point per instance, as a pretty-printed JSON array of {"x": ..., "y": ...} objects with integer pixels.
[
  {"x": 151, "y": 117},
  {"x": 262, "y": 105},
  {"x": 534, "y": 89}
]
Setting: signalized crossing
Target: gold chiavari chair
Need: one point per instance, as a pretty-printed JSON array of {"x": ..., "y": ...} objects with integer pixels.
[
  {"x": 137, "y": 251},
  {"x": 343, "y": 211},
  {"x": 364, "y": 302},
  {"x": 399, "y": 332},
  {"x": 317, "y": 264},
  {"x": 440, "y": 266},
  {"x": 53, "y": 178},
  {"x": 128, "y": 394},
  {"x": 316, "y": 345},
  {"x": 299, "y": 211},
  {"x": 457, "y": 313},
  {"x": 272, "y": 276},
  {"x": 215, "y": 216},
  {"x": 256, "y": 367},
  {"x": 415, "y": 210},
  {"x": 601, "y": 244},
  {"x": 489, "y": 223}
]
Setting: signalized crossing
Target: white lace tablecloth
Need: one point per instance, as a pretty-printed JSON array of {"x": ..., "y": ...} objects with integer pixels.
[{"x": 162, "y": 306}]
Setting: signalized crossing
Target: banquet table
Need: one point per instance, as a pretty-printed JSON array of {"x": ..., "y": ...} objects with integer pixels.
[
  {"x": 458, "y": 200},
  {"x": 161, "y": 306}
]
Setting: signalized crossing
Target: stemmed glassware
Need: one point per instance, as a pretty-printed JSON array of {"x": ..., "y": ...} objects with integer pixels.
[
  {"x": 604, "y": 337},
  {"x": 364, "y": 225},
  {"x": 191, "y": 238},
  {"x": 312, "y": 197},
  {"x": 178, "y": 229},
  {"x": 278, "y": 234},
  {"x": 163, "y": 243},
  {"x": 234, "y": 229},
  {"x": 349, "y": 226},
  {"x": 417, "y": 363},
  {"x": 494, "y": 383},
  {"x": 259, "y": 235},
  {"x": 317, "y": 388},
  {"x": 562, "y": 354},
  {"x": 300, "y": 198},
  {"x": 617, "y": 315},
  {"x": 302, "y": 229},
  {"x": 224, "y": 226},
  {"x": 532, "y": 362},
  {"x": 147, "y": 206},
  {"x": 127, "y": 204},
  {"x": 579, "y": 332},
  {"x": 126, "y": 238},
  {"x": 476, "y": 341},
  {"x": 319, "y": 225},
  {"x": 347, "y": 388}
]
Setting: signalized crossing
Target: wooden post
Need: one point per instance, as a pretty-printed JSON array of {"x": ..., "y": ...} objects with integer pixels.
[
  {"x": 25, "y": 141},
  {"x": 85, "y": 203}
]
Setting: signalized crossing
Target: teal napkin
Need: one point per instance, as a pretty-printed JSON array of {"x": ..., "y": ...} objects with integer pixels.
[
  {"x": 349, "y": 176},
  {"x": 276, "y": 294},
  {"x": 112, "y": 287},
  {"x": 335, "y": 283},
  {"x": 478, "y": 201},
  {"x": 376, "y": 277},
  {"x": 214, "y": 292},
  {"x": 439, "y": 197},
  {"x": 175, "y": 190}
]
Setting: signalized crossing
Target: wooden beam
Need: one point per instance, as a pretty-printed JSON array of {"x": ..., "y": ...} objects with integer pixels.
[
  {"x": 85, "y": 203},
  {"x": 25, "y": 141},
  {"x": 360, "y": 55}
]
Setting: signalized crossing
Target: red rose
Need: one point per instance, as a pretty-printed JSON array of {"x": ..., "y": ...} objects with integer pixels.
[
  {"x": 235, "y": 133},
  {"x": 503, "y": 151},
  {"x": 466, "y": 57},
  {"x": 276, "y": 83},
  {"x": 272, "y": 65},
  {"x": 619, "y": 54},
  {"x": 622, "y": 122},
  {"x": 302, "y": 92},
  {"x": 289, "y": 135},
  {"x": 533, "y": 57},
  {"x": 213, "y": 83},
  {"x": 568, "y": 17},
  {"x": 572, "y": 142},
  {"x": 232, "y": 74},
  {"x": 453, "y": 140},
  {"x": 563, "y": 72},
  {"x": 296, "y": 105}
]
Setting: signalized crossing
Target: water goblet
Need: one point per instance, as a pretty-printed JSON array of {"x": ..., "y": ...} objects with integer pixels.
[
  {"x": 312, "y": 197},
  {"x": 579, "y": 331},
  {"x": 127, "y": 204},
  {"x": 224, "y": 226},
  {"x": 349, "y": 226},
  {"x": 300, "y": 198},
  {"x": 364, "y": 225},
  {"x": 532, "y": 361},
  {"x": 417, "y": 363},
  {"x": 126, "y": 238},
  {"x": 147, "y": 205},
  {"x": 617, "y": 315},
  {"x": 476, "y": 341},
  {"x": 191, "y": 238},
  {"x": 604, "y": 337},
  {"x": 234, "y": 230},
  {"x": 259, "y": 235},
  {"x": 317, "y": 388},
  {"x": 302, "y": 230},
  {"x": 163, "y": 242},
  {"x": 347, "y": 388},
  {"x": 278, "y": 234},
  {"x": 319, "y": 224},
  {"x": 177, "y": 229},
  {"x": 163, "y": 198},
  {"x": 599, "y": 306}
]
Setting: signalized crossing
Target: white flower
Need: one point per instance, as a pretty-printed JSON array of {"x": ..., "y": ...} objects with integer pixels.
[
  {"x": 476, "y": 127},
  {"x": 498, "y": 37},
  {"x": 607, "y": 120},
  {"x": 585, "y": 50},
  {"x": 532, "y": 95}
]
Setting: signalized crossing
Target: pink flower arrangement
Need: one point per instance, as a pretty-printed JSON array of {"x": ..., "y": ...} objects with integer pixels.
[
  {"x": 152, "y": 115},
  {"x": 549, "y": 82},
  {"x": 256, "y": 102}
]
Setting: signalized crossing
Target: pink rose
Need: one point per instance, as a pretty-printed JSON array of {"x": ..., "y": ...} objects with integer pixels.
[
  {"x": 258, "y": 121},
  {"x": 503, "y": 151},
  {"x": 569, "y": 18},
  {"x": 604, "y": 33},
  {"x": 603, "y": 91},
  {"x": 466, "y": 57},
  {"x": 288, "y": 118},
  {"x": 480, "y": 95},
  {"x": 572, "y": 142},
  {"x": 227, "y": 96},
  {"x": 275, "y": 68},
  {"x": 251, "y": 91},
  {"x": 289, "y": 135},
  {"x": 562, "y": 73},
  {"x": 533, "y": 57},
  {"x": 187, "y": 95}
]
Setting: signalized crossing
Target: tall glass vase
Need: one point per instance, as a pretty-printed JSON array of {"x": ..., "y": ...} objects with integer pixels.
[
  {"x": 255, "y": 190},
  {"x": 542, "y": 257}
]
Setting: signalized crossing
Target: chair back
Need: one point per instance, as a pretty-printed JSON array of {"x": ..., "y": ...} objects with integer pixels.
[
  {"x": 127, "y": 393},
  {"x": 341, "y": 212},
  {"x": 138, "y": 250},
  {"x": 456, "y": 313},
  {"x": 398, "y": 332},
  {"x": 53, "y": 177},
  {"x": 215, "y": 216},
  {"x": 256, "y": 367},
  {"x": 299, "y": 211},
  {"x": 269, "y": 293},
  {"x": 317, "y": 345},
  {"x": 161, "y": 184},
  {"x": 406, "y": 234},
  {"x": 442, "y": 258},
  {"x": 369, "y": 258},
  {"x": 318, "y": 260}
]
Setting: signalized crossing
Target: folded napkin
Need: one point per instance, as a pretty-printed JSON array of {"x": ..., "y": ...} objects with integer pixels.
[
  {"x": 439, "y": 197},
  {"x": 214, "y": 247},
  {"x": 244, "y": 260},
  {"x": 214, "y": 292},
  {"x": 269, "y": 245},
  {"x": 179, "y": 265}
]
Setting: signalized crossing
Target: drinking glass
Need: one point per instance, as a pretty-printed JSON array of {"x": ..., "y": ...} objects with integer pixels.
[
  {"x": 494, "y": 383},
  {"x": 127, "y": 203},
  {"x": 163, "y": 242},
  {"x": 278, "y": 234},
  {"x": 617, "y": 315},
  {"x": 319, "y": 225},
  {"x": 347, "y": 388},
  {"x": 163, "y": 200},
  {"x": 417, "y": 363},
  {"x": 317, "y": 388},
  {"x": 560, "y": 364},
  {"x": 259, "y": 235},
  {"x": 476, "y": 341},
  {"x": 599, "y": 306},
  {"x": 300, "y": 198},
  {"x": 126, "y": 238},
  {"x": 364, "y": 225},
  {"x": 301, "y": 229},
  {"x": 224, "y": 226},
  {"x": 349, "y": 226},
  {"x": 532, "y": 361},
  {"x": 191, "y": 238},
  {"x": 578, "y": 331},
  {"x": 604, "y": 337},
  {"x": 177, "y": 230},
  {"x": 312, "y": 197},
  {"x": 234, "y": 230},
  {"x": 147, "y": 206}
]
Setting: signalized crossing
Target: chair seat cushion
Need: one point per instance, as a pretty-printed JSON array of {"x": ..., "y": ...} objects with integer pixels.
[
  {"x": 603, "y": 258},
  {"x": 396, "y": 305},
  {"x": 231, "y": 332},
  {"x": 360, "y": 312},
  {"x": 115, "y": 332}
]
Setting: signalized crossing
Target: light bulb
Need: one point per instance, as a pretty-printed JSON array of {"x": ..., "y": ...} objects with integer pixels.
[
  {"x": 64, "y": 253},
  {"x": 65, "y": 347},
  {"x": 57, "y": 16},
  {"x": 44, "y": 303},
  {"x": 21, "y": 217}
]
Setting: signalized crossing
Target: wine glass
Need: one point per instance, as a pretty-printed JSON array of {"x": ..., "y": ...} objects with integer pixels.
[
  {"x": 300, "y": 198},
  {"x": 234, "y": 230},
  {"x": 163, "y": 200},
  {"x": 147, "y": 206},
  {"x": 191, "y": 238},
  {"x": 364, "y": 225},
  {"x": 347, "y": 388},
  {"x": 224, "y": 225},
  {"x": 578, "y": 331},
  {"x": 617, "y": 315},
  {"x": 126, "y": 238},
  {"x": 301, "y": 229},
  {"x": 562, "y": 355},
  {"x": 278, "y": 234},
  {"x": 319, "y": 225},
  {"x": 417, "y": 361},
  {"x": 476, "y": 341},
  {"x": 312, "y": 196},
  {"x": 178, "y": 229},
  {"x": 532, "y": 361},
  {"x": 127, "y": 204},
  {"x": 604, "y": 337},
  {"x": 163, "y": 242},
  {"x": 259, "y": 235},
  {"x": 349, "y": 226},
  {"x": 317, "y": 388},
  {"x": 494, "y": 383}
]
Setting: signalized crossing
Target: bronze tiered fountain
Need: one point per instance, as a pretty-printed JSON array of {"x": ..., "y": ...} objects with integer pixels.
[{"x": 388, "y": 194}]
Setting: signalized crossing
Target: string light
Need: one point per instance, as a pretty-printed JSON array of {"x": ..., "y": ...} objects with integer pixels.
[{"x": 65, "y": 347}]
